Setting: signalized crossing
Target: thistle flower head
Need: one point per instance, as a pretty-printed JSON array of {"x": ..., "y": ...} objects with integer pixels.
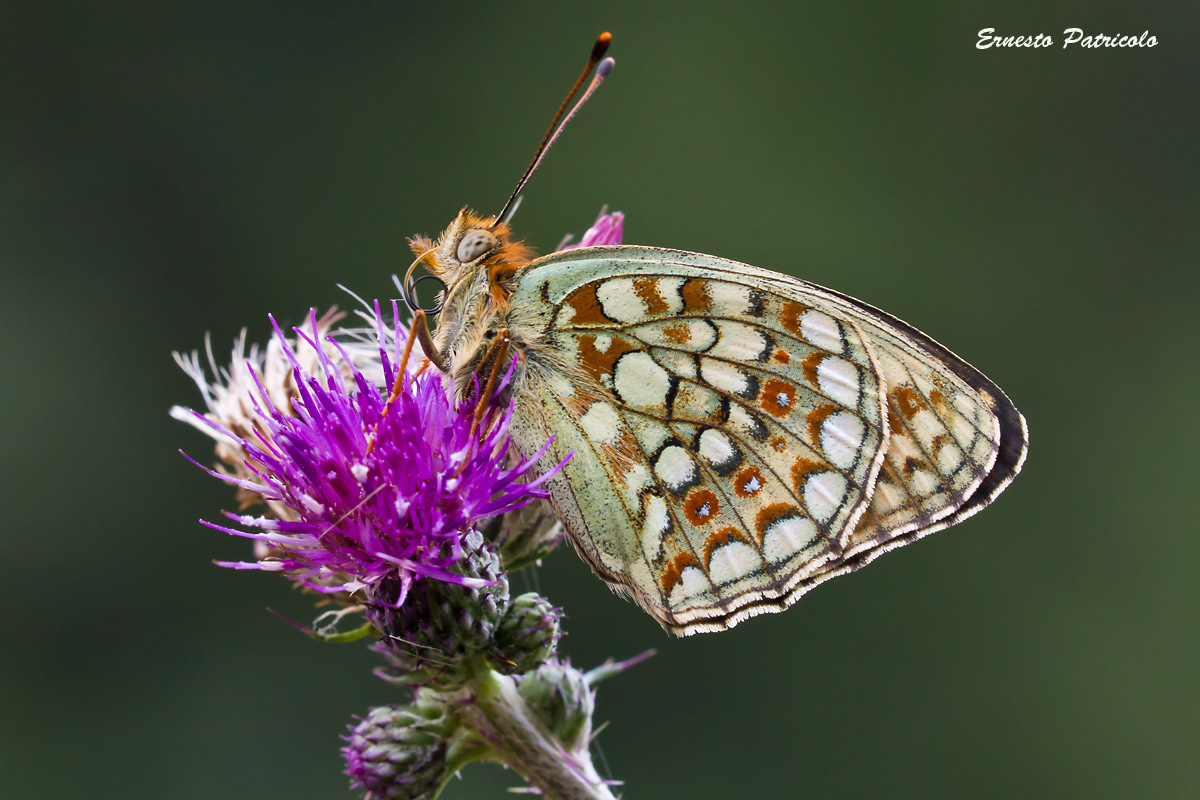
[
  {"x": 400, "y": 751},
  {"x": 371, "y": 487},
  {"x": 383, "y": 488}
]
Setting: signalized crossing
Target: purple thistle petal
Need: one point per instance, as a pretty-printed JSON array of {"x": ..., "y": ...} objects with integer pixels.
[{"x": 262, "y": 566}]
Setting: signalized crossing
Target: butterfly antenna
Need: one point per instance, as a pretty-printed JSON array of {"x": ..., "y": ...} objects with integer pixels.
[{"x": 552, "y": 133}]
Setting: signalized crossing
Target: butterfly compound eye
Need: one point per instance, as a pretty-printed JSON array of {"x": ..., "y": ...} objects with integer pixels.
[{"x": 475, "y": 244}]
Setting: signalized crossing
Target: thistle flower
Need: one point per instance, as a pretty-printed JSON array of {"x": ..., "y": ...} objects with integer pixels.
[{"x": 369, "y": 495}]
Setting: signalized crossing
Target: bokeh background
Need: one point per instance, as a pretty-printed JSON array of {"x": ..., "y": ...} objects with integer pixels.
[{"x": 171, "y": 170}]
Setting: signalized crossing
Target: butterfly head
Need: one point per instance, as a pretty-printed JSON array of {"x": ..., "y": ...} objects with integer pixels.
[
  {"x": 477, "y": 262},
  {"x": 473, "y": 251}
]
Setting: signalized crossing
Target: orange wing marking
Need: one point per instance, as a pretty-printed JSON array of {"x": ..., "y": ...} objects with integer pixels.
[
  {"x": 598, "y": 363},
  {"x": 647, "y": 289},
  {"x": 701, "y": 507},
  {"x": 721, "y": 538},
  {"x": 677, "y": 334},
  {"x": 792, "y": 311},
  {"x": 773, "y": 513},
  {"x": 908, "y": 401},
  {"x": 673, "y": 574},
  {"x": 696, "y": 295},
  {"x": 748, "y": 482},
  {"x": 810, "y": 365},
  {"x": 778, "y": 398},
  {"x": 802, "y": 469},
  {"x": 815, "y": 418},
  {"x": 586, "y": 304}
]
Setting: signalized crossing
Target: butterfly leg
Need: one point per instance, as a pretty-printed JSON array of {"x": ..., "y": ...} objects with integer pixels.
[
  {"x": 494, "y": 358},
  {"x": 421, "y": 328}
]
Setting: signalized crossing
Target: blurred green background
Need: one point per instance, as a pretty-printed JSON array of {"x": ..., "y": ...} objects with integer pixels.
[{"x": 193, "y": 166}]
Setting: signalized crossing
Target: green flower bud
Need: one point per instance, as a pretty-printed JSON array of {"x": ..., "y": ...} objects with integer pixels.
[
  {"x": 525, "y": 535},
  {"x": 560, "y": 696},
  {"x": 527, "y": 635},
  {"x": 398, "y": 752}
]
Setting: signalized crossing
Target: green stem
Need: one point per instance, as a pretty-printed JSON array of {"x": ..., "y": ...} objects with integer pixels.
[{"x": 502, "y": 718}]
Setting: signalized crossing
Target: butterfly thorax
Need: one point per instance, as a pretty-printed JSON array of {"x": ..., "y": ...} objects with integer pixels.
[{"x": 478, "y": 263}]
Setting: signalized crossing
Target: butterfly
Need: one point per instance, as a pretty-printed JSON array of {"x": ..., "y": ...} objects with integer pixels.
[{"x": 736, "y": 436}]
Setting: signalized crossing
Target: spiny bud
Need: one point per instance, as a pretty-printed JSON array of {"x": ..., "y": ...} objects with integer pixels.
[
  {"x": 398, "y": 752},
  {"x": 527, "y": 635},
  {"x": 441, "y": 624},
  {"x": 525, "y": 534},
  {"x": 559, "y": 694}
]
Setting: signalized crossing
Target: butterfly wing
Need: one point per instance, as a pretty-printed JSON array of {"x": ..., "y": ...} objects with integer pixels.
[{"x": 738, "y": 435}]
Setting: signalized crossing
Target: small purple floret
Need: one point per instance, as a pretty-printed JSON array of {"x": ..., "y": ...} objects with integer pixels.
[
  {"x": 606, "y": 230},
  {"x": 364, "y": 512}
]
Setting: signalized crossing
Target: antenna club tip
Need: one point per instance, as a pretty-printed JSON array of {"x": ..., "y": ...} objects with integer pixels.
[
  {"x": 605, "y": 68},
  {"x": 601, "y": 46}
]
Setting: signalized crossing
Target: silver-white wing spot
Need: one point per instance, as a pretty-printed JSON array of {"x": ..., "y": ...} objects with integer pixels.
[
  {"x": 824, "y": 493},
  {"x": 601, "y": 423},
  {"x": 841, "y": 436},
  {"x": 642, "y": 383},
  {"x": 821, "y": 330},
  {"x": 675, "y": 467},
  {"x": 839, "y": 379}
]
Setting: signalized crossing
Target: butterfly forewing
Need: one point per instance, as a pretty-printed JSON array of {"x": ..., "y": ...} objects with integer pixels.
[{"x": 740, "y": 436}]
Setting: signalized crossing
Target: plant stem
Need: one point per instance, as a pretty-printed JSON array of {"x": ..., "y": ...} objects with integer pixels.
[{"x": 501, "y": 717}]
